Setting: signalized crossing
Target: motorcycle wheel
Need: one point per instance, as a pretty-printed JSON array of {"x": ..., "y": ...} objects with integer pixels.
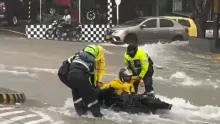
[
  {"x": 75, "y": 36},
  {"x": 59, "y": 33},
  {"x": 49, "y": 34}
]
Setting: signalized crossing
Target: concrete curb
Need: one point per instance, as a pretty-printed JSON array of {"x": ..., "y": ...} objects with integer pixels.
[
  {"x": 12, "y": 98},
  {"x": 11, "y": 31}
]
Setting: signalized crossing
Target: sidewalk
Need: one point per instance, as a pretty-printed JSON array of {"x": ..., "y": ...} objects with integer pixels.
[{"x": 8, "y": 96}]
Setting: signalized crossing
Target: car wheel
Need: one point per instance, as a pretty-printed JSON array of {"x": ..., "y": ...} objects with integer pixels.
[
  {"x": 131, "y": 39},
  {"x": 177, "y": 38}
]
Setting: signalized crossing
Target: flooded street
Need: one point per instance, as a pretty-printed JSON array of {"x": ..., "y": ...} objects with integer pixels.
[{"x": 188, "y": 80}]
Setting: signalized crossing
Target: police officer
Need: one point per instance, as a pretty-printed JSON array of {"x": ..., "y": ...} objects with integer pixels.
[
  {"x": 141, "y": 65},
  {"x": 97, "y": 78},
  {"x": 82, "y": 66}
]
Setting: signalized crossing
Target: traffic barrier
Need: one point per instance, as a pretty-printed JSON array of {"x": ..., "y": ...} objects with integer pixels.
[{"x": 12, "y": 98}]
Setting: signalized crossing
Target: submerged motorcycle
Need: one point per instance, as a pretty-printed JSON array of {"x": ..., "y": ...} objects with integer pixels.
[
  {"x": 73, "y": 33},
  {"x": 139, "y": 103}
]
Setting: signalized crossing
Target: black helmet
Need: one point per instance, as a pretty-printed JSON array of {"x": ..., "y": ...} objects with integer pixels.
[
  {"x": 132, "y": 50},
  {"x": 125, "y": 75}
]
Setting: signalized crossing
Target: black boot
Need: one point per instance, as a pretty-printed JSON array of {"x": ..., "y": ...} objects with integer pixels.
[{"x": 95, "y": 109}]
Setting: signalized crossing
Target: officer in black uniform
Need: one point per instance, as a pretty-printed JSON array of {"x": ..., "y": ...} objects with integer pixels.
[{"x": 81, "y": 68}]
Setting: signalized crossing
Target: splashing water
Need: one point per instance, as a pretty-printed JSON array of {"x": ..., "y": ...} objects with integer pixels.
[
  {"x": 182, "y": 112},
  {"x": 183, "y": 79}
]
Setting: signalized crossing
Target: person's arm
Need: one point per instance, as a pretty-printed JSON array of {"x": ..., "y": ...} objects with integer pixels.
[
  {"x": 100, "y": 69},
  {"x": 111, "y": 84},
  {"x": 144, "y": 63},
  {"x": 70, "y": 59},
  {"x": 126, "y": 62}
]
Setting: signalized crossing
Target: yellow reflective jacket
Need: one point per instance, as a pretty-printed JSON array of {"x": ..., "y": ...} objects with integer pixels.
[
  {"x": 100, "y": 65},
  {"x": 119, "y": 87},
  {"x": 138, "y": 64}
]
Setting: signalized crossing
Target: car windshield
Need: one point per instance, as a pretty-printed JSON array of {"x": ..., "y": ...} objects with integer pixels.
[{"x": 134, "y": 21}]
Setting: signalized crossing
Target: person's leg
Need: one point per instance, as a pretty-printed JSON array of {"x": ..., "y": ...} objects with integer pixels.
[
  {"x": 90, "y": 97},
  {"x": 148, "y": 81},
  {"x": 80, "y": 107}
]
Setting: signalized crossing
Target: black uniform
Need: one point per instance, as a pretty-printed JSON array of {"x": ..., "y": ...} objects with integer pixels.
[{"x": 78, "y": 79}]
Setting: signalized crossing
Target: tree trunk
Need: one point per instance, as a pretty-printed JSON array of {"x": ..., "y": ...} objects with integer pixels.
[{"x": 203, "y": 8}]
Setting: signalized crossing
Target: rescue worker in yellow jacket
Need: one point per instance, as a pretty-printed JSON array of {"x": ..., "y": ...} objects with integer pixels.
[
  {"x": 141, "y": 66},
  {"x": 97, "y": 79}
]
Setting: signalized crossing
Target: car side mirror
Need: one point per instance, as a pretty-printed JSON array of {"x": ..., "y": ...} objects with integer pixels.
[{"x": 143, "y": 26}]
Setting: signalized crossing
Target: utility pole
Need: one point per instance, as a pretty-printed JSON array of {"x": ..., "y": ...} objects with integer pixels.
[{"x": 216, "y": 5}]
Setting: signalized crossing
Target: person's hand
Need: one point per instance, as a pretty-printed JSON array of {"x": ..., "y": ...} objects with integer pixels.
[
  {"x": 142, "y": 83},
  {"x": 138, "y": 79},
  {"x": 99, "y": 84}
]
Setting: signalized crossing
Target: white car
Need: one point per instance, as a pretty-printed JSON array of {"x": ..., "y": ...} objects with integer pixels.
[{"x": 147, "y": 30}]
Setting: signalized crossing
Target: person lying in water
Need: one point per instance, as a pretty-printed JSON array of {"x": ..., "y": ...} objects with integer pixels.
[
  {"x": 123, "y": 90},
  {"x": 122, "y": 87},
  {"x": 122, "y": 84}
]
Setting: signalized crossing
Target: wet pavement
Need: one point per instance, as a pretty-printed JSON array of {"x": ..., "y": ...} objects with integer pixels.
[{"x": 188, "y": 80}]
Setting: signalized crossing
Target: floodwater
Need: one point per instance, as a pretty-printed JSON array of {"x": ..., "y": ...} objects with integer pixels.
[{"x": 183, "y": 77}]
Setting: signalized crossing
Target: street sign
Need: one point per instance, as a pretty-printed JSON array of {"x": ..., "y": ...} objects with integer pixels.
[{"x": 118, "y": 2}]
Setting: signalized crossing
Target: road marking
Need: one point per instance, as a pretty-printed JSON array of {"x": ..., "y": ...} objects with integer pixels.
[
  {"x": 11, "y": 113},
  {"x": 6, "y": 108},
  {"x": 24, "y": 116},
  {"x": 110, "y": 44},
  {"x": 37, "y": 121},
  {"x": 108, "y": 52},
  {"x": 18, "y": 118},
  {"x": 59, "y": 122}
]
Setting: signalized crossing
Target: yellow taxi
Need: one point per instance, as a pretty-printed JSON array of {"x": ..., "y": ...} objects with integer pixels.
[{"x": 187, "y": 22}]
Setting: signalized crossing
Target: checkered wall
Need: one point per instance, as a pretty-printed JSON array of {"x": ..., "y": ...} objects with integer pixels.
[
  {"x": 109, "y": 11},
  {"x": 36, "y": 31},
  {"x": 90, "y": 33}
]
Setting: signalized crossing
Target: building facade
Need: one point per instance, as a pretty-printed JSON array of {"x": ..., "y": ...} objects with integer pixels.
[
  {"x": 96, "y": 16},
  {"x": 96, "y": 11}
]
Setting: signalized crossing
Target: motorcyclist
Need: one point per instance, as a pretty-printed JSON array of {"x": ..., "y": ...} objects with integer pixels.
[
  {"x": 121, "y": 88},
  {"x": 119, "y": 94},
  {"x": 75, "y": 73},
  {"x": 122, "y": 84},
  {"x": 141, "y": 65},
  {"x": 67, "y": 20}
]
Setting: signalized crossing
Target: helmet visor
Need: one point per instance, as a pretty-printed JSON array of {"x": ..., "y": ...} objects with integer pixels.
[{"x": 127, "y": 79}]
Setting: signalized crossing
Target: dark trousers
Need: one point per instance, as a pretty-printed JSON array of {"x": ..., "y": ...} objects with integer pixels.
[
  {"x": 84, "y": 95},
  {"x": 148, "y": 81},
  {"x": 65, "y": 27}
]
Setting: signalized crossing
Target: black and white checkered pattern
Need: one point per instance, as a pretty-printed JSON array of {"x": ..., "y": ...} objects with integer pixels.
[
  {"x": 90, "y": 33},
  {"x": 36, "y": 31},
  {"x": 109, "y": 12},
  {"x": 29, "y": 10},
  {"x": 94, "y": 33}
]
